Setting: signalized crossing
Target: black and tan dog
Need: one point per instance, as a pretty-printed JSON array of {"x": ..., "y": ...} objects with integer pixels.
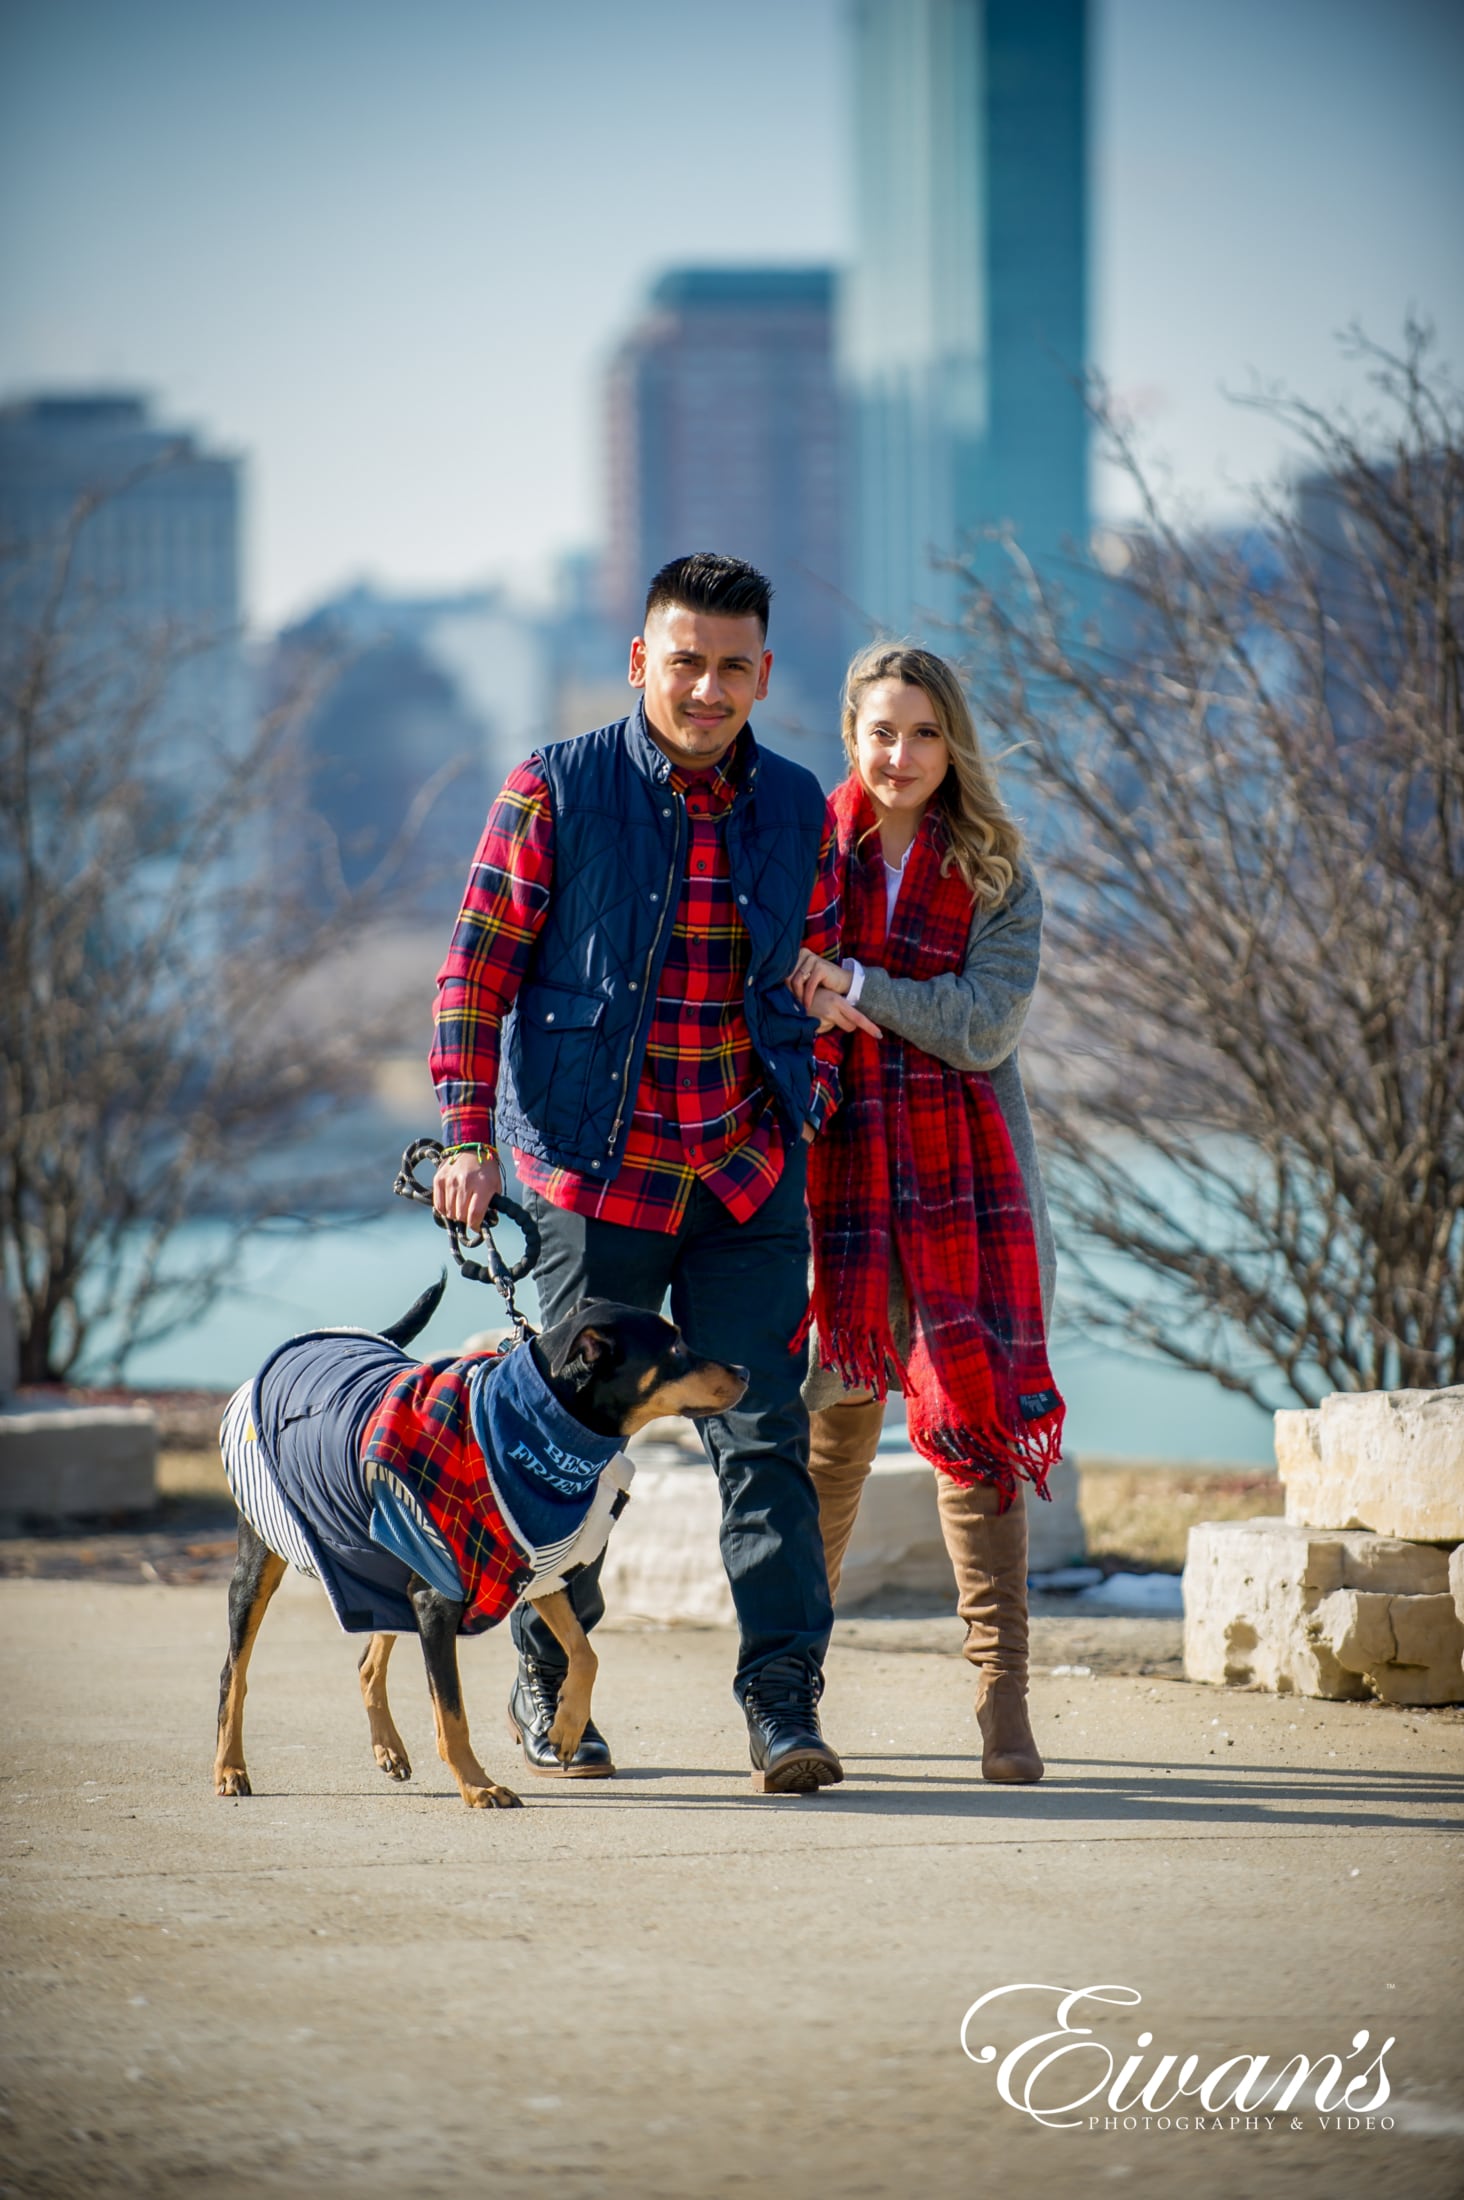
[{"x": 324, "y": 1479}]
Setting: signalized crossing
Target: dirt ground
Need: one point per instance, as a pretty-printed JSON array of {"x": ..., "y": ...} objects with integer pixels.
[
  {"x": 664, "y": 1986},
  {"x": 1140, "y": 1517}
]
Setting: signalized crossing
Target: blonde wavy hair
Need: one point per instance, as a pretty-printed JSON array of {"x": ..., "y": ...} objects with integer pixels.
[{"x": 984, "y": 842}]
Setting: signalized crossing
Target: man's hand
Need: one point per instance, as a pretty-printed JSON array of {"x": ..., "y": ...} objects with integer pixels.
[
  {"x": 835, "y": 1014},
  {"x": 809, "y": 973},
  {"x": 464, "y": 1189}
]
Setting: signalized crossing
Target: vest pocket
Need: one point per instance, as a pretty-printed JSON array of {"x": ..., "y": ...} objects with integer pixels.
[{"x": 559, "y": 1049}]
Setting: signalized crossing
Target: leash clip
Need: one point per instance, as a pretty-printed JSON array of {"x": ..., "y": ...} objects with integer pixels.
[{"x": 503, "y": 1275}]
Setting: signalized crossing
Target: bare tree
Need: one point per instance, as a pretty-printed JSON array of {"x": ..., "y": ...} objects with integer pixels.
[
  {"x": 159, "y": 1032},
  {"x": 1246, "y": 761}
]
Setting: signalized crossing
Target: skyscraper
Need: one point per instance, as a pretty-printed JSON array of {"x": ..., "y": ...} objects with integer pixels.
[
  {"x": 147, "y": 525},
  {"x": 724, "y": 435},
  {"x": 963, "y": 328}
]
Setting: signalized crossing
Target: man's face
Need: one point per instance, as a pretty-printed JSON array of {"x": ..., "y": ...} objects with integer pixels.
[{"x": 701, "y": 672}]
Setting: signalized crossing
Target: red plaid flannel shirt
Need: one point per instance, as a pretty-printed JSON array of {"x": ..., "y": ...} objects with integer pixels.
[{"x": 702, "y": 1108}]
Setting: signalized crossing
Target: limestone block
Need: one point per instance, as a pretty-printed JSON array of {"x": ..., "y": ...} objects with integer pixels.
[
  {"x": 1456, "y": 1578},
  {"x": 1407, "y": 1648},
  {"x": 1387, "y": 1460},
  {"x": 1391, "y": 1567},
  {"x": 664, "y": 1559},
  {"x": 1269, "y": 1604},
  {"x": 1354, "y": 1625},
  {"x": 1249, "y": 1588},
  {"x": 1298, "y": 1443},
  {"x": 1430, "y": 1638},
  {"x": 60, "y": 1462}
]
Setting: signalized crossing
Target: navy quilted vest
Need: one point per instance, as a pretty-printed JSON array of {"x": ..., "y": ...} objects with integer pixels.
[{"x": 576, "y": 1039}]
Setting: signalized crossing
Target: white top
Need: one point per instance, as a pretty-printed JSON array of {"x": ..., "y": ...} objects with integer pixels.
[{"x": 894, "y": 880}]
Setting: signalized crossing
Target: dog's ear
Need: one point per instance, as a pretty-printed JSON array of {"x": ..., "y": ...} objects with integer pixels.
[{"x": 587, "y": 1347}]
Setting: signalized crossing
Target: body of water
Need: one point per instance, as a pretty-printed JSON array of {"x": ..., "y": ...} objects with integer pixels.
[{"x": 366, "y": 1273}]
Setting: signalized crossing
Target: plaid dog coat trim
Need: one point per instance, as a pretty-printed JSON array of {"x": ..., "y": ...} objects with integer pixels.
[
  {"x": 362, "y": 1466},
  {"x": 514, "y": 1487},
  {"x": 919, "y": 1157}
]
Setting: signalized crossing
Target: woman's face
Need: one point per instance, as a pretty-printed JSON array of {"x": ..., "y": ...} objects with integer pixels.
[{"x": 900, "y": 752}]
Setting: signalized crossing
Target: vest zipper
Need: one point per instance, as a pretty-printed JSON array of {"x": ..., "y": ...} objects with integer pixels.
[{"x": 647, "y": 1004}]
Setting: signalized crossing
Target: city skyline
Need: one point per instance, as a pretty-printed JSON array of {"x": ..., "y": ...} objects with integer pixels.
[{"x": 406, "y": 250}]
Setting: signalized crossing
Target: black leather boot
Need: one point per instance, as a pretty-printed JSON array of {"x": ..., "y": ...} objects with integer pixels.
[
  {"x": 789, "y": 1755},
  {"x": 531, "y": 1709}
]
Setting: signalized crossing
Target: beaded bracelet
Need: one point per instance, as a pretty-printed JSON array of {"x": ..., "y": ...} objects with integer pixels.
[{"x": 480, "y": 1151}]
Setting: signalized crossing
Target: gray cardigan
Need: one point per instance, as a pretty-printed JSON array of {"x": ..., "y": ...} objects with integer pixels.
[{"x": 972, "y": 1018}]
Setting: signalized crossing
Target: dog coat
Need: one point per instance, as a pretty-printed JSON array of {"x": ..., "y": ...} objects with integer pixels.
[{"x": 362, "y": 1466}]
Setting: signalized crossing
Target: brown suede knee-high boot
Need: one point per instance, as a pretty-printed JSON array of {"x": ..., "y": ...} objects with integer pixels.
[
  {"x": 989, "y": 1552},
  {"x": 842, "y": 1442}
]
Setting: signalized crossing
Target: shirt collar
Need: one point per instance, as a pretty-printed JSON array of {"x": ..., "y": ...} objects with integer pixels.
[
  {"x": 719, "y": 787},
  {"x": 736, "y": 773}
]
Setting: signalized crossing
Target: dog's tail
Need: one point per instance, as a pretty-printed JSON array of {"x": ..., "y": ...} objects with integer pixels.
[{"x": 418, "y": 1314}]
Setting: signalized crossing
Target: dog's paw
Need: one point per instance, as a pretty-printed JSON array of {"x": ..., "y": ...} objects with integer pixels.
[
  {"x": 565, "y": 1736},
  {"x": 393, "y": 1762},
  {"x": 491, "y": 1797},
  {"x": 232, "y": 1780}
]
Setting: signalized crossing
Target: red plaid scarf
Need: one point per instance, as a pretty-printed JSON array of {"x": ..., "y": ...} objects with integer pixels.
[{"x": 919, "y": 1156}]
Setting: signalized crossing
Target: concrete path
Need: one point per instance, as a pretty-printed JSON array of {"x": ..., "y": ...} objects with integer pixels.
[{"x": 663, "y": 1986}]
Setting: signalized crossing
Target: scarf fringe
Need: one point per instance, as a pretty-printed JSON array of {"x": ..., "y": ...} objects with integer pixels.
[
  {"x": 968, "y": 1456},
  {"x": 965, "y": 1455},
  {"x": 862, "y": 1362}
]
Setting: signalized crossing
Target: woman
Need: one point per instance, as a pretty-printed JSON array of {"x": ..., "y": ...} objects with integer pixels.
[{"x": 933, "y": 1259}]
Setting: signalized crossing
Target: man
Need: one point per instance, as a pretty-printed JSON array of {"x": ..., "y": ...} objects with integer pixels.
[{"x": 615, "y": 1002}]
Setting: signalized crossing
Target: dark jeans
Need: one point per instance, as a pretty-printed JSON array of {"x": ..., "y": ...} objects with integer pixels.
[{"x": 738, "y": 1292}]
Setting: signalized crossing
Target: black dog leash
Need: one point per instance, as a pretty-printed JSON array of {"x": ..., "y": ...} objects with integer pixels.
[{"x": 502, "y": 1276}]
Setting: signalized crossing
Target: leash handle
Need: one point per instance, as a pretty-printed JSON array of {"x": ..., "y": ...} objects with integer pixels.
[{"x": 503, "y": 1275}]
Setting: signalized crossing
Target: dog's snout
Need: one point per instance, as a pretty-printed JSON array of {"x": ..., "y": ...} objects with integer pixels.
[{"x": 743, "y": 1374}]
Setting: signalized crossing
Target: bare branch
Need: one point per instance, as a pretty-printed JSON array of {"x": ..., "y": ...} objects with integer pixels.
[{"x": 1244, "y": 764}]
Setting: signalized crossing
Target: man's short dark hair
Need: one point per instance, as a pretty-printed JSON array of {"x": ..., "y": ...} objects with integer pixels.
[{"x": 706, "y": 581}]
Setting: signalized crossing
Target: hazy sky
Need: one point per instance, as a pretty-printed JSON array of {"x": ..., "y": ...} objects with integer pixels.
[{"x": 385, "y": 251}]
